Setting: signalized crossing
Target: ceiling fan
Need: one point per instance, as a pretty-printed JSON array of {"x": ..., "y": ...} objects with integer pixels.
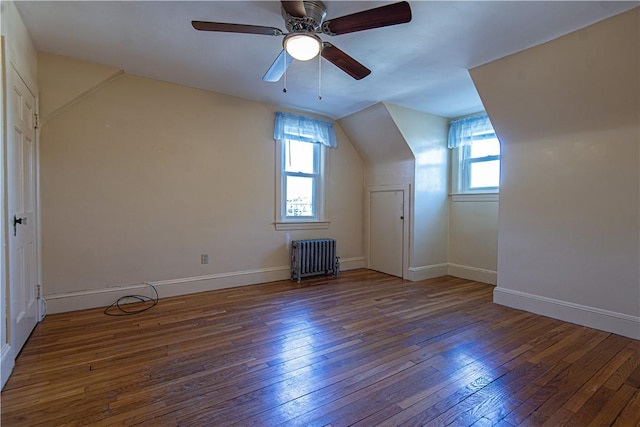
[{"x": 304, "y": 19}]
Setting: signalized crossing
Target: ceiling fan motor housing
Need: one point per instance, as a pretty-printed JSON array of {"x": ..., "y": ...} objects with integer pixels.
[{"x": 316, "y": 11}]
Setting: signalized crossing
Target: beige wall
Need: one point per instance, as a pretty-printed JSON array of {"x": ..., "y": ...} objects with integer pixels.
[
  {"x": 473, "y": 237},
  {"x": 388, "y": 160},
  {"x": 568, "y": 113},
  {"x": 473, "y": 229},
  {"x": 407, "y": 148},
  {"x": 67, "y": 81},
  {"x": 140, "y": 177},
  {"x": 426, "y": 136}
]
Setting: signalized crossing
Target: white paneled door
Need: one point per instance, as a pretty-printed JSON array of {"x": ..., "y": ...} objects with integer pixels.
[
  {"x": 386, "y": 225},
  {"x": 21, "y": 215}
]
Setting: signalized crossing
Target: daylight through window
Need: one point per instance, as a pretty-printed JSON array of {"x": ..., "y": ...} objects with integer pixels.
[
  {"x": 302, "y": 143},
  {"x": 481, "y": 163},
  {"x": 476, "y": 154},
  {"x": 301, "y": 174}
]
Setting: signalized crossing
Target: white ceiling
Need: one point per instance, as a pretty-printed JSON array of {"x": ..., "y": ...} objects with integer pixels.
[{"x": 421, "y": 65}]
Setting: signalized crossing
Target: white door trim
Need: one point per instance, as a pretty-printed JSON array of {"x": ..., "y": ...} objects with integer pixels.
[
  {"x": 406, "y": 200},
  {"x": 6, "y": 362}
]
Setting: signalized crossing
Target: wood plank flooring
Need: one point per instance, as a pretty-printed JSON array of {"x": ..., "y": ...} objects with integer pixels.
[{"x": 364, "y": 349}]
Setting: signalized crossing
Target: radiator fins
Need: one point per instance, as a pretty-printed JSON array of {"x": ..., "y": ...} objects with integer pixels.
[{"x": 313, "y": 257}]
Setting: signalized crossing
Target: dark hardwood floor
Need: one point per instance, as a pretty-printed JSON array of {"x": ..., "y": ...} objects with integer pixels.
[{"x": 364, "y": 349}]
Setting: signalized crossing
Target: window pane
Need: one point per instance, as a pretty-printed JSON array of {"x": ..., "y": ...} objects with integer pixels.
[
  {"x": 485, "y": 147},
  {"x": 299, "y": 196},
  {"x": 299, "y": 156},
  {"x": 484, "y": 174}
]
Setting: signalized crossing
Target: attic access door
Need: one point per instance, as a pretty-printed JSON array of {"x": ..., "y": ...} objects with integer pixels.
[{"x": 386, "y": 231}]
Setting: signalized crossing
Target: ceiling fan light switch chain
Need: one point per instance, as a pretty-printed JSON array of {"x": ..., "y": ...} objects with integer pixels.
[
  {"x": 284, "y": 89},
  {"x": 319, "y": 77}
]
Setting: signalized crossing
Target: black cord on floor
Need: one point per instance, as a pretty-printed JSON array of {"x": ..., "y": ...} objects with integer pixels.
[{"x": 116, "y": 309}]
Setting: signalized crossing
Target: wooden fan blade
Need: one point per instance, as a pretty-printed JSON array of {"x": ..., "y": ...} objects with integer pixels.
[
  {"x": 279, "y": 66},
  {"x": 294, "y": 8},
  {"x": 392, "y": 14},
  {"x": 235, "y": 28},
  {"x": 344, "y": 61}
]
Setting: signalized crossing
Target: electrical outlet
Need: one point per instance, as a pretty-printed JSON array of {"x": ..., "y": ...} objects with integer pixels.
[{"x": 204, "y": 259}]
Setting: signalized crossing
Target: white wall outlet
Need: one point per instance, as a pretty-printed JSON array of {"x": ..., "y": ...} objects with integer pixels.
[{"x": 204, "y": 259}]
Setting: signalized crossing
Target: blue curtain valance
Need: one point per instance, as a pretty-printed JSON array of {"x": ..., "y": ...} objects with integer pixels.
[
  {"x": 461, "y": 131},
  {"x": 301, "y": 128}
]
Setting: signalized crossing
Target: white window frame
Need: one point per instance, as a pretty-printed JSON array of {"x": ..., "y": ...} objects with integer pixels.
[
  {"x": 462, "y": 168},
  {"x": 319, "y": 219}
]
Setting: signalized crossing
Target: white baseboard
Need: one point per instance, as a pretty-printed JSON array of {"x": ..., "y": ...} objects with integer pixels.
[
  {"x": 427, "y": 272},
  {"x": 353, "y": 263},
  {"x": 473, "y": 273},
  {"x": 618, "y": 323},
  {"x": 7, "y": 362},
  {"x": 463, "y": 271},
  {"x": 610, "y": 321},
  {"x": 71, "y": 301}
]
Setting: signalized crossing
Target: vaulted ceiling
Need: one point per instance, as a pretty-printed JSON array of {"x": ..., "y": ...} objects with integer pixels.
[{"x": 420, "y": 65}]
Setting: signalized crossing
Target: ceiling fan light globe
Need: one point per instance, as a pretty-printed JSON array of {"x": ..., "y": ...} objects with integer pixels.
[{"x": 302, "y": 47}]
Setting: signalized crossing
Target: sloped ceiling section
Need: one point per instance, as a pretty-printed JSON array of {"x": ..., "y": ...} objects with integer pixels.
[
  {"x": 420, "y": 65},
  {"x": 67, "y": 80},
  {"x": 584, "y": 81},
  {"x": 376, "y": 135}
]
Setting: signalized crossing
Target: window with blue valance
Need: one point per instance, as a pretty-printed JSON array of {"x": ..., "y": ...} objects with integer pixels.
[
  {"x": 463, "y": 131},
  {"x": 300, "y": 128},
  {"x": 475, "y": 156}
]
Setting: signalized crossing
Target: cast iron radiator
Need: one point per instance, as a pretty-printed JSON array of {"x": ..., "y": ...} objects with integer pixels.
[{"x": 312, "y": 257}]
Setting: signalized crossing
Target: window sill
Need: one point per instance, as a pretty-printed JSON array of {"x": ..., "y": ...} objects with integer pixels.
[
  {"x": 302, "y": 225},
  {"x": 475, "y": 197}
]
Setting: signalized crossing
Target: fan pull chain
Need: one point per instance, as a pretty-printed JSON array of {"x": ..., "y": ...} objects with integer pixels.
[
  {"x": 319, "y": 77},
  {"x": 284, "y": 65}
]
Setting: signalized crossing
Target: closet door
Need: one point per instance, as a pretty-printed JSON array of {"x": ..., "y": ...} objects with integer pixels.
[{"x": 386, "y": 224}]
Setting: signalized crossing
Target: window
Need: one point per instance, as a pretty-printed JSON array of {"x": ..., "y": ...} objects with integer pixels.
[
  {"x": 301, "y": 180},
  {"x": 476, "y": 155},
  {"x": 301, "y": 152},
  {"x": 481, "y": 164}
]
